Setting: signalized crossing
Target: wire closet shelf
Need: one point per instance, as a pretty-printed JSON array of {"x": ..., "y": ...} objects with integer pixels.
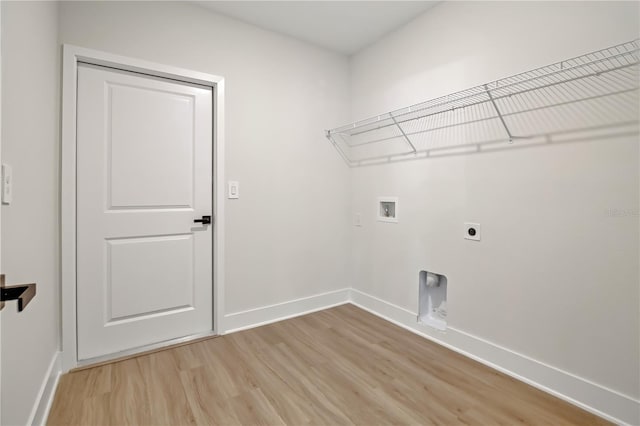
[{"x": 591, "y": 92}]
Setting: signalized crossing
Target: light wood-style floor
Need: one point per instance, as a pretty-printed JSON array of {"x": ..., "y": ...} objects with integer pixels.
[{"x": 338, "y": 366}]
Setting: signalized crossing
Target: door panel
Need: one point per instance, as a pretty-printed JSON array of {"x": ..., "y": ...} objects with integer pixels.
[
  {"x": 166, "y": 180},
  {"x": 144, "y": 173},
  {"x": 139, "y": 267}
]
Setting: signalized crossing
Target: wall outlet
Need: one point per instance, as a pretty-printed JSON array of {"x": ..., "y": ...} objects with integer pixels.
[{"x": 472, "y": 231}]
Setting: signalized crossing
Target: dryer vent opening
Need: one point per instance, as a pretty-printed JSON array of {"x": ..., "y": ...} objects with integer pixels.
[{"x": 432, "y": 305}]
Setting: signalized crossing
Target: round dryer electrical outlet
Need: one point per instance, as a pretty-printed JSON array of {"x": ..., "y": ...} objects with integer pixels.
[{"x": 472, "y": 231}]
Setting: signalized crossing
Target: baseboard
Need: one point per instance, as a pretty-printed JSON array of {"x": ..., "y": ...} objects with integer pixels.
[
  {"x": 281, "y": 311},
  {"x": 41, "y": 408},
  {"x": 597, "y": 399}
]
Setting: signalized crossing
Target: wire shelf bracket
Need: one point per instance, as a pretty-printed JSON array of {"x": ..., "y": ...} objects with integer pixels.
[
  {"x": 404, "y": 135},
  {"x": 598, "y": 90},
  {"x": 504, "y": 123}
]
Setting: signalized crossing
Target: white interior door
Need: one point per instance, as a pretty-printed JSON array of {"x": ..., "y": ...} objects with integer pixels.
[{"x": 144, "y": 174}]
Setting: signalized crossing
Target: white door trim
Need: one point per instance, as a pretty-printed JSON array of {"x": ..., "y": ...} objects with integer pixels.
[{"x": 71, "y": 56}]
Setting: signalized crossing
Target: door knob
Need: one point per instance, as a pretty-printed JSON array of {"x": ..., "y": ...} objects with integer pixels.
[
  {"x": 205, "y": 220},
  {"x": 22, "y": 293}
]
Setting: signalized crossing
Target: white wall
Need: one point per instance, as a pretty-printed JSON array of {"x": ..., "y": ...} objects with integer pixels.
[
  {"x": 30, "y": 236},
  {"x": 287, "y": 236},
  {"x": 555, "y": 277}
]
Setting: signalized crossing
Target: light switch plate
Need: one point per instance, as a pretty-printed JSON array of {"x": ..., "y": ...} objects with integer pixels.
[
  {"x": 7, "y": 184},
  {"x": 234, "y": 189},
  {"x": 472, "y": 231},
  {"x": 357, "y": 219}
]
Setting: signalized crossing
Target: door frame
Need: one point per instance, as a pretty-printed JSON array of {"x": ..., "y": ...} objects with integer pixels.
[{"x": 72, "y": 55}]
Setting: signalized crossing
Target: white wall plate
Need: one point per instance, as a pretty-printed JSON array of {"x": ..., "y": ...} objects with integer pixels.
[
  {"x": 387, "y": 209},
  {"x": 7, "y": 184},
  {"x": 234, "y": 189},
  {"x": 472, "y": 231}
]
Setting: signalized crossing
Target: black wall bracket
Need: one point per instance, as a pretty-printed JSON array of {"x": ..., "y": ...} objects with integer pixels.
[{"x": 23, "y": 293}]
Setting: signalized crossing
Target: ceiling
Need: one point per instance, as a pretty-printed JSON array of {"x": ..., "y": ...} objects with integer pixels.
[{"x": 342, "y": 26}]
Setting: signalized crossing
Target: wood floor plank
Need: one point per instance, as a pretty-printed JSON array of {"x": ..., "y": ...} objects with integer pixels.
[
  {"x": 164, "y": 392},
  {"x": 253, "y": 408},
  {"x": 207, "y": 397},
  {"x": 341, "y": 366},
  {"x": 128, "y": 402}
]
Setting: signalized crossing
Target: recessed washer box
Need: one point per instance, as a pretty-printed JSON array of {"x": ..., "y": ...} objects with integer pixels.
[
  {"x": 387, "y": 209},
  {"x": 472, "y": 231}
]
